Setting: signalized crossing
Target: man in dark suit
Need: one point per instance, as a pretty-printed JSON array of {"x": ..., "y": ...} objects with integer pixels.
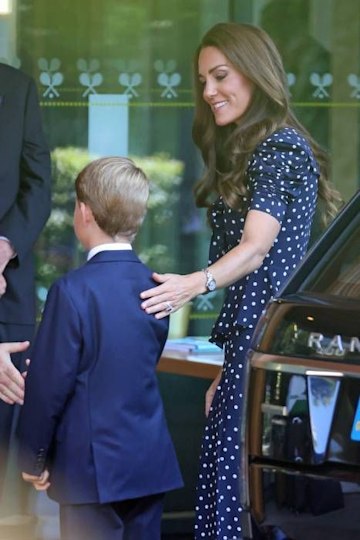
[
  {"x": 93, "y": 430},
  {"x": 25, "y": 201}
]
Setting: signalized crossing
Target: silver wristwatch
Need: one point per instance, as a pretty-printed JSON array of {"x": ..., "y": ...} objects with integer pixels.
[{"x": 210, "y": 282}]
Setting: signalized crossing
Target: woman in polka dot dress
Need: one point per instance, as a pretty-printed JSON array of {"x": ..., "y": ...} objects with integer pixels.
[{"x": 263, "y": 173}]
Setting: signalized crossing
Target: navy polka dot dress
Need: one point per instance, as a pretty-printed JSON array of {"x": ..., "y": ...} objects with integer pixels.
[{"x": 282, "y": 180}]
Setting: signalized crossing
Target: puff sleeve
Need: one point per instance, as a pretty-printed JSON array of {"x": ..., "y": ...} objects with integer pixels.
[{"x": 279, "y": 171}]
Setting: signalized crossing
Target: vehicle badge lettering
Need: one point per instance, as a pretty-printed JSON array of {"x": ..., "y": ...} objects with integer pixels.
[
  {"x": 314, "y": 340},
  {"x": 354, "y": 344},
  {"x": 333, "y": 345}
]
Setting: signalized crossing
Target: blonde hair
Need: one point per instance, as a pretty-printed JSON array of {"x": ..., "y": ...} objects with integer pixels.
[
  {"x": 226, "y": 150},
  {"x": 116, "y": 190}
]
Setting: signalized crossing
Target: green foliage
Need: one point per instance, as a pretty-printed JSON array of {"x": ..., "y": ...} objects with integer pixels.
[
  {"x": 66, "y": 165},
  {"x": 165, "y": 176}
]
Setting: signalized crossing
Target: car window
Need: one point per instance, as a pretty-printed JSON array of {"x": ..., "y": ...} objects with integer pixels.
[{"x": 341, "y": 274}]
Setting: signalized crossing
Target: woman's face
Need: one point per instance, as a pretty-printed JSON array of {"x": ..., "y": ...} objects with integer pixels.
[{"x": 225, "y": 89}]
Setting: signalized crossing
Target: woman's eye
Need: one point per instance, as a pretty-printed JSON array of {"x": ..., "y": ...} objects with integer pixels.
[{"x": 220, "y": 76}]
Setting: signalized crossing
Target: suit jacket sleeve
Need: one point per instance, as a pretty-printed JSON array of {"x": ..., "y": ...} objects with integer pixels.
[
  {"x": 51, "y": 379},
  {"x": 27, "y": 216}
]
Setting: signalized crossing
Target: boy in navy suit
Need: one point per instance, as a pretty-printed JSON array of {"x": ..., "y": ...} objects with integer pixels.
[{"x": 92, "y": 428}]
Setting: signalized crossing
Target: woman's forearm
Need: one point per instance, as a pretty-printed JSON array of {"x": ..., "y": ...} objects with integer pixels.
[
  {"x": 259, "y": 234},
  {"x": 237, "y": 263}
]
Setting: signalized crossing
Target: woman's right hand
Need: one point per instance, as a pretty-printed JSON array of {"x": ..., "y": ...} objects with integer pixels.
[
  {"x": 209, "y": 396},
  {"x": 174, "y": 291}
]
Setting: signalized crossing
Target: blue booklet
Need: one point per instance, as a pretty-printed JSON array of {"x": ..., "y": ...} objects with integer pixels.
[{"x": 193, "y": 345}]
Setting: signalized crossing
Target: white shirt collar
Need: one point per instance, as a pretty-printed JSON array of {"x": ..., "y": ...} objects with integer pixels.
[{"x": 114, "y": 246}]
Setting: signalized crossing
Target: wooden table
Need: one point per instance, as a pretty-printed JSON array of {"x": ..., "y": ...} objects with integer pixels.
[{"x": 205, "y": 366}]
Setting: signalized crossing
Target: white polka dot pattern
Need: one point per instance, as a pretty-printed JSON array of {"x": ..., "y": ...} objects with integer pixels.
[{"x": 282, "y": 181}]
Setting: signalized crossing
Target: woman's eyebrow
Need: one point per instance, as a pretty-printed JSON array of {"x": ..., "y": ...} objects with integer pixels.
[{"x": 214, "y": 68}]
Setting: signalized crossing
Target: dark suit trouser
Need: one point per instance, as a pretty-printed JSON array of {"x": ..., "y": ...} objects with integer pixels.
[
  {"x": 9, "y": 413},
  {"x": 135, "y": 519}
]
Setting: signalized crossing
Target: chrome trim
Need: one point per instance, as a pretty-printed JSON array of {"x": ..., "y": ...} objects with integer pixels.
[
  {"x": 279, "y": 410},
  {"x": 271, "y": 365},
  {"x": 303, "y": 366},
  {"x": 324, "y": 373}
]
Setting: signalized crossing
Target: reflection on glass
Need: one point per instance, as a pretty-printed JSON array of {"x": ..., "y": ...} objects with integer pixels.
[
  {"x": 322, "y": 396},
  {"x": 296, "y": 395},
  {"x": 341, "y": 275},
  {"x": 348, "y": 282}
]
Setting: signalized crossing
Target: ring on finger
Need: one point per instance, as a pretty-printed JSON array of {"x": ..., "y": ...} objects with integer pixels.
[{"x": 169, "y": 307}]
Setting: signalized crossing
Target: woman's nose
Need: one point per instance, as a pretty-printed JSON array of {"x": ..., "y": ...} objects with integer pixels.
[{"x": 209, "y": 90}]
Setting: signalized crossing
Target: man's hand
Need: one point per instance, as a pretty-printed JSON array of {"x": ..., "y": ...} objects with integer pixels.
[
  {"x": 3, "y": 285},
  {"x": 6, "y": 254},
  {"x": 12, "y": 384},
  {"x": 40, "y": 483}
]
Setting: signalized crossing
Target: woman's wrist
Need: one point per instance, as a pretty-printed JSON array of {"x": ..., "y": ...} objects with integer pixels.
[
  {"x": 210, "y": 283},
  {"x": 199, "y": 279}
]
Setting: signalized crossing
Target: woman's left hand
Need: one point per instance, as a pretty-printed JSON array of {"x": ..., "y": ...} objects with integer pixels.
[
  {"x": 211, "y": 391},
  {"x": 174, "y": 291}
]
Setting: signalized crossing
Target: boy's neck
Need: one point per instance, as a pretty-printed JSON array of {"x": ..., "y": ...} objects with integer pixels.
[
  {"x": 102, "y": 238},
  {"x": 109, "y": 242}
]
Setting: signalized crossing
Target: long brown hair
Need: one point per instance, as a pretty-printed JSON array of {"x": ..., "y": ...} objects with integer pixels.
[{"x": 227, "y": 149}]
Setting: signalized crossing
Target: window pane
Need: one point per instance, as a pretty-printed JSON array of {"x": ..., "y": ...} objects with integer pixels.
[
  {"x": 319, "y": 41},
  {"x": 341, "y": 276}
]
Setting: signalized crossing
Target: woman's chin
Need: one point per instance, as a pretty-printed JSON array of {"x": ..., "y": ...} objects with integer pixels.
[
  {"x": 225, "y": 120},
  {"x": 222, "y": 121}
]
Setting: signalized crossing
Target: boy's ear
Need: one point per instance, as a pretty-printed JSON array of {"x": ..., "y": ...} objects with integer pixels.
[{"x": 86, "y": 212}]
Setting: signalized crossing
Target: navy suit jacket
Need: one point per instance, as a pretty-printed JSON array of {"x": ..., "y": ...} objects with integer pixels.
[
  {"x": 25, "y": 197},
  {"x": 93, "y": 412}
]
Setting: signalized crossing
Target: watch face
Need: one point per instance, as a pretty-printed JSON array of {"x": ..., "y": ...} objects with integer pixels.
[{"x": 211, "y": 284}]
